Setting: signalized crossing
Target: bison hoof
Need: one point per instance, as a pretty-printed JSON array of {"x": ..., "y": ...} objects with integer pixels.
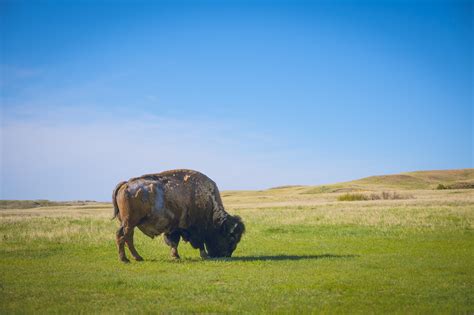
[
  {"x": 125, "y": 260},
  {"x": 139, "y": 258},
  {"x": 175, "y": 257}
]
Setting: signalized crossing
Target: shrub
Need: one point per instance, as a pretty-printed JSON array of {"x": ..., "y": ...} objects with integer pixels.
[
  {"x": 375, "y": 197},
  {"x": 458, "y": 185},
  {"x": 352, "y": 197},
  {"x": 393, "y": 196}
]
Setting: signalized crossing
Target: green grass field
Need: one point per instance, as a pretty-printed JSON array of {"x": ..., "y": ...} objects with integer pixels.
[{"x": 304, "y": 251}]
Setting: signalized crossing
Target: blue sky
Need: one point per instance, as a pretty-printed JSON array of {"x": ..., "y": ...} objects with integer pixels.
[{"x": 254, "y": 94}]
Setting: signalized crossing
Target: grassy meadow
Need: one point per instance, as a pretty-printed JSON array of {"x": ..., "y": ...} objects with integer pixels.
[{"x": 305, "y": 250}]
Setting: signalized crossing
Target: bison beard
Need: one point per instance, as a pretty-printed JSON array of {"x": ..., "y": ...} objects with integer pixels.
[{"x": 181, "y": 204}]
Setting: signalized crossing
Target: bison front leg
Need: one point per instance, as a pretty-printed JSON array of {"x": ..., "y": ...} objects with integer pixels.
[
  {"x": 203, "y": 253},
  {"x": 128, "y": 233},
  {"x": 172, "y": 240}
]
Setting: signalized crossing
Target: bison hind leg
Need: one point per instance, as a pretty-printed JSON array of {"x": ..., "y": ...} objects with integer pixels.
[
  {"x": 129, "y": 232},
  {"x": 124, "y": 236},
  {"x": 172, "y": 240},
  {"x": 120, "y": 240}
]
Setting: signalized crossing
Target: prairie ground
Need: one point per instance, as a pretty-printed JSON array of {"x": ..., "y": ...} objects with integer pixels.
[{"x": 304, "y": 251}]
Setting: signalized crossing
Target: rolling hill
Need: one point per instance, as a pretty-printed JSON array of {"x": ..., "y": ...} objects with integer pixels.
[
  {"x": 419, "y": 183},
  {"x": 451, "y": 179},
  {"x": 417, "y": 180}
]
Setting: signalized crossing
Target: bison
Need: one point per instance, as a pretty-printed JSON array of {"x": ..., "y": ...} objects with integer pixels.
[{"x": 181, "y": 204}]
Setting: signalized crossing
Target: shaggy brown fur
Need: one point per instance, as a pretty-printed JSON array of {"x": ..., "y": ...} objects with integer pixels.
[{"x": 181, "y": 204}]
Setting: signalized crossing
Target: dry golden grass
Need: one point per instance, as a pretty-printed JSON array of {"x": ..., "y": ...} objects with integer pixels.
[{"x": 426, "y": 209}]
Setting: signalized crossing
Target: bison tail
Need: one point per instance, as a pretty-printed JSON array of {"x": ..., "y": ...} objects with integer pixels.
[{"x": 114, "y": 199}]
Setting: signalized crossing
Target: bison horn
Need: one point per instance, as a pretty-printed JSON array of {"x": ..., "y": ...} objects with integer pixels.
[{"x": 233, "y": 228}]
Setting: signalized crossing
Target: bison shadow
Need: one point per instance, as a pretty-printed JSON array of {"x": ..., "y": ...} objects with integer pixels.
[
  {"x": 289, "y": 257},
  {"x": 256, "y": 258}
]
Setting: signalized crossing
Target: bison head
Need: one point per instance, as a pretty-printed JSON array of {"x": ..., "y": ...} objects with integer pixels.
[{"x": 226, "y": 239}]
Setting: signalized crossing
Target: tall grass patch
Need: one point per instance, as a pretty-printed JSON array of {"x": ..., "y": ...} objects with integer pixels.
[{"x": 375, "y": 196}]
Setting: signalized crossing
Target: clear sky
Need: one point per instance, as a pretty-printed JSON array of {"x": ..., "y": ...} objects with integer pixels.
[{"x": 254, "y": 94}]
